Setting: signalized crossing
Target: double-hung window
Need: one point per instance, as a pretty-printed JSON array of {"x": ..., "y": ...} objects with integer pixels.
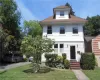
[
  {"x": 56, "y": 48},
  {"x": 75, "y": 30},
  {"x": 49, "y": 30},
  {"x": 61, "y": 13},
  {"x": 61, "y": 48},
  {"x": 62, "y": 30},
  {"x": 55, "y": 45}
]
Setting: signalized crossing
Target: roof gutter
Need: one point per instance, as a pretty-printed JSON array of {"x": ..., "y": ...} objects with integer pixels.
[{"x": 49, "y": 23}]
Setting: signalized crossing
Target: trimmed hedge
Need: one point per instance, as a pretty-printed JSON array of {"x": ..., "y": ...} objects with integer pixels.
[
  {"x": 64, "y": 55},
  {"x": 66, "y": 64},
  {"x": 87, "y": 61},
  {"x": 53, "y": 60}
]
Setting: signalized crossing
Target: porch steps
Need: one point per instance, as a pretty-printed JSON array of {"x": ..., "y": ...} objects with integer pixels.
[{"x": 74, "y": 64}]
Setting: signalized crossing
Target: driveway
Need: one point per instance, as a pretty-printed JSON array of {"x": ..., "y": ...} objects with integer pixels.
[{"x": 10, "y": 66}]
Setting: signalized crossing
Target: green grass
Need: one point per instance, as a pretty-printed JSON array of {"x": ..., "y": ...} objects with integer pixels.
[
  {"x": 20, "y": 74},
  {"x": 93, "y": 74}
]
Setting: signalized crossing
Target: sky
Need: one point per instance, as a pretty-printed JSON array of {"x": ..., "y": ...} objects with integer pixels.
[{"x": 41, "y": 9}]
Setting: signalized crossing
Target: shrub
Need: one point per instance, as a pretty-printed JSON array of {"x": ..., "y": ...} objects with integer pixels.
[
  {"x": 87, "y": 61},
  {"x": 25, "y": 60},
  {"x": 60, "y": 66},
  {"x": 51, "y": 56},
  {"x": 59, "y": 59},
  {"x": 96, "y": 63},
  {"x": 44, "y": 69},
  {"x": 51, "y": 59},
  {"x": 59, "y": 62},
  {"x": 66, "y": 64},
  {"x": 64, "y": 55}
]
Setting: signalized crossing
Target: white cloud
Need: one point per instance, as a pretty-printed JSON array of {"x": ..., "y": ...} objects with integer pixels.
[{"x": 25, "y": 12}]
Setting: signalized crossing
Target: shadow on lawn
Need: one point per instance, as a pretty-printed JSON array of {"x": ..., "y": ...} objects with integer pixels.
[
  {"x": 2, "y": 72},
  {"x": 28, "y": 71},
  {"x": 31, "y": 71}
]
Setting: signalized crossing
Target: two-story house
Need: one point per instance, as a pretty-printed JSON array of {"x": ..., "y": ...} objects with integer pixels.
[{"x": 67, "y": 31}]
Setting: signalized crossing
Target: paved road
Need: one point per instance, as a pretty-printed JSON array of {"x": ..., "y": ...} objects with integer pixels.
[
  {"x": 10, "y": 66},
  {"x": 80, "y": 75}
]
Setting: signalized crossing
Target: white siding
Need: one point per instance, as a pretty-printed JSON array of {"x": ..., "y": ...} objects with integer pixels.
[
  {"x": 79, "y": 46},
  {"x": 68, "y": 39},
  {"x": 68, "y": 36},
  {"x": 66, "y": 15}
]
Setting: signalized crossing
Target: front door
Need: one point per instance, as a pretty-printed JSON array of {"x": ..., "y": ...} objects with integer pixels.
[{"x": 72, "y": 52}]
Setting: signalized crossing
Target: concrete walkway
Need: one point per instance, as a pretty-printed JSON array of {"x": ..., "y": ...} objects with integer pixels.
[
  {"x": 80, "y": 75},
  {"x": 10, "y": 66}
]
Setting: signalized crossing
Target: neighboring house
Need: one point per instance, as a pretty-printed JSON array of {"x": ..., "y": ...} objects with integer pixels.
[
  {"x": 96, "y": 48},
  {"x": 88, "y": 45},
  {"x": 67, "y": 31},
  {"x": 92, "y": 44}
]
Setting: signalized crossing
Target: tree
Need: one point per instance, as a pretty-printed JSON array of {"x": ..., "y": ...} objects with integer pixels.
[
  {"x": 71, "y": 10},
  {"x": 33, "y": 28},
  {"x": 92, "y": 27},
  {"x": 4, "y": 42},
  {"x": 10, "y": 17},
  {"x": 36, "y": 46}
]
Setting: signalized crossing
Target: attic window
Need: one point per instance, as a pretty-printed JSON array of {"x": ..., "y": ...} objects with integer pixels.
[{"x": 61, "y": 13}]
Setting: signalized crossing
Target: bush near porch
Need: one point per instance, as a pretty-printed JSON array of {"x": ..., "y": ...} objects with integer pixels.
[
  {"x": 53, "y": 60},
  {"x": 87, "y": 61}
]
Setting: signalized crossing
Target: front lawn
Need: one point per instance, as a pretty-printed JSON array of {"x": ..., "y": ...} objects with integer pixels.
[
  {"x": 93, "y": 74},
  {"x": 20, "y": 74}
]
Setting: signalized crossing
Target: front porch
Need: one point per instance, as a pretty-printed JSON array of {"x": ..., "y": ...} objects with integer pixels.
[{"x": 74, "y": 64}]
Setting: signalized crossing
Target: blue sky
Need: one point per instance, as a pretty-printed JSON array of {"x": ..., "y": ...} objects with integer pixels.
[{"x": 41, "y": 9}]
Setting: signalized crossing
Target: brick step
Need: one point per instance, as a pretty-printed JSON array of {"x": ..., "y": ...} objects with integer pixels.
[
  {"x": 75, "y": 68},
  {"x": 74, "y": 62},
  {"x": 74, "y": 65}
]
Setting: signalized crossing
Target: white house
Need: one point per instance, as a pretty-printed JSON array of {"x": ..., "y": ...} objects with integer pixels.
[{"x": 67, "y": 31}]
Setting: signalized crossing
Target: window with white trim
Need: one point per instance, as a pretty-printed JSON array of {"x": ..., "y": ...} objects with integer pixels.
[
  {"x": 61, "y": 13},
  {"x": 56, "y": 48},
  {"x": 62, "y": 30},
  {"x": 61, "y": 45},
  {"x": 61, "y": 48},
  {"x": 49, "y": 30},
  {"x": 75, "y": 30}
]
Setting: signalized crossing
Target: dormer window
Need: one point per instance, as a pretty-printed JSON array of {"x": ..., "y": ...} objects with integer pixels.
[{"x": 61, "y": 13}]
